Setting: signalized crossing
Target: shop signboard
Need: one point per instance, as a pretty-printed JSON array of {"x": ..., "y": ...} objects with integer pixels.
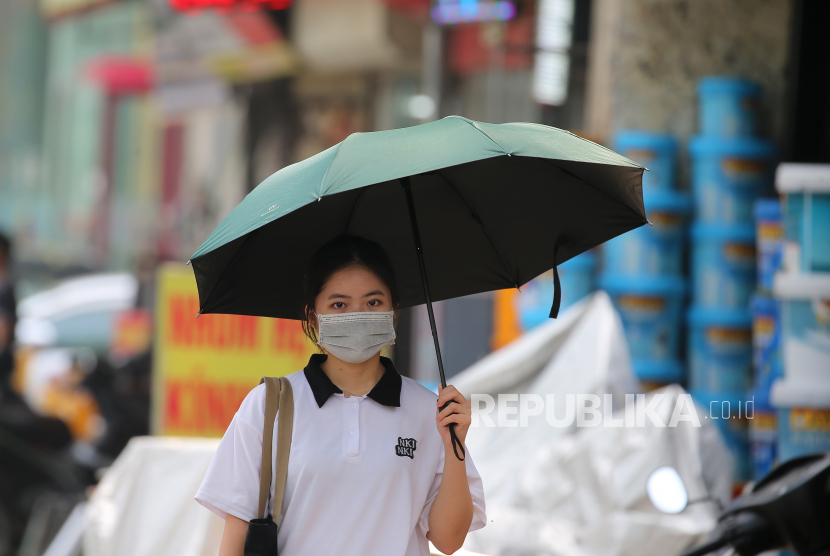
[{"x": 204, "y": 367}]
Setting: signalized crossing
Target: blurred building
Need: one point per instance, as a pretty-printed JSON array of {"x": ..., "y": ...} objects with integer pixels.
[{"x": 130, "y": 128}]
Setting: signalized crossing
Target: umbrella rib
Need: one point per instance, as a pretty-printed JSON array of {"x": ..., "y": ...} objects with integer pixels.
[
  {"x": 326, "y": 173},
  {"x": 354, "y": 207},
  {"x": 225, "y": 270},
  {"x": 475, "y": 216},
  {"x": 571, "y": 174},
  {"x": 487, "y": 135}
]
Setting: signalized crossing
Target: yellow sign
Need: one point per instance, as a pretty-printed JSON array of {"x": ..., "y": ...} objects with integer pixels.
[{"x": 204, "y": 367}]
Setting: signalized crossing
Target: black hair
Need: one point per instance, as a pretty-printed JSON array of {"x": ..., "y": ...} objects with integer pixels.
[{"x": 344, "y": 251}]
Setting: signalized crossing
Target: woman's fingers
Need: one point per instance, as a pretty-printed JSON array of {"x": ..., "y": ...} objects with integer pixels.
[
  {"x": 453, "y": 407},
  {"x": 460, "y": 419},
  {"x": 457, "y": 412},
  {"x": 449, "y": 394}
]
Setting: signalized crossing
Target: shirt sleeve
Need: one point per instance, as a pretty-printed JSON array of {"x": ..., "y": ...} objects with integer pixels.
[
  {"x": 231, "y": 484},
  {"x": 476, "y": 492}
]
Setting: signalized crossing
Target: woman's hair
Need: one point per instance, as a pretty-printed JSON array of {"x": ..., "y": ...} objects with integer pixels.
[{"x": 344, "y": 251}]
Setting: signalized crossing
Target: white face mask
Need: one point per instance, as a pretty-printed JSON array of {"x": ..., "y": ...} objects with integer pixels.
[{"x": 356, "y": 337}]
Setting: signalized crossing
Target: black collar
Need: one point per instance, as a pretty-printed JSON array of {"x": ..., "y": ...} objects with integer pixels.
[{"x": 386, "y": 392}]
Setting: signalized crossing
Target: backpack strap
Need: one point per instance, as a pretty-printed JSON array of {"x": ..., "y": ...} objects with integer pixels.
[{"x": 278, "y": 395}]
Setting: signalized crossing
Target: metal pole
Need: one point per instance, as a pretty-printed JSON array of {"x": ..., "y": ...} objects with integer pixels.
[{"x": 456, "y": 443}]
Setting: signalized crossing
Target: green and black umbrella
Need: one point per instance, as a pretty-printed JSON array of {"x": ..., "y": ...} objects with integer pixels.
[{"x": 461, "y": 207}]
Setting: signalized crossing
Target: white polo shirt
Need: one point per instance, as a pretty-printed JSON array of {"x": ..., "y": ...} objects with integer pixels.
[{"x": 362, "y": 472}]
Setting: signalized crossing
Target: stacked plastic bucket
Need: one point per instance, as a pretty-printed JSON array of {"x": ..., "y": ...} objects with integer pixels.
[
  {"x": 766, "y": 332},
  {"x": 802, "y": 396},
  {"x": 730, "y": 169},
  {"x": 643, "y": 269}
]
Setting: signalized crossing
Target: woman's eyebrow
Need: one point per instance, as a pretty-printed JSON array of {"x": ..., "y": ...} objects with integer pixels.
[
  {"x": 374, "y": 292},
  {"x": 339, "y": 296}
]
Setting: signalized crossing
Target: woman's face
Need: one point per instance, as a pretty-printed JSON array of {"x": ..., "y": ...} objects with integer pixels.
[{"x": 353, "y": 289}]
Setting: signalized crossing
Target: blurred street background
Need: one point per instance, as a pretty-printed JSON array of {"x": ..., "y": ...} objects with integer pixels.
[{"x": 130, "y": 128}]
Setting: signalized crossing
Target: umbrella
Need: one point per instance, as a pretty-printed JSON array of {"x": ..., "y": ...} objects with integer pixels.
[{"x": 460, "y": 206}]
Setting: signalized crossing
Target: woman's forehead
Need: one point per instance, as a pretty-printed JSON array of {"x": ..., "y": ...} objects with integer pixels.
[{"x": 355, "y": 278}]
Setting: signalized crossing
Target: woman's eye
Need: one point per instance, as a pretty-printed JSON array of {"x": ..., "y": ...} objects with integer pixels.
[
  {"x": 374, "y": 302},
  {"x": 338, "y": 305}
]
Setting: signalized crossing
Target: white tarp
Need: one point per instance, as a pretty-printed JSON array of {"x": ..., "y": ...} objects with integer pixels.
[
  {"x": 144, "y": 504},
  {"x": 581, "y": 491}
]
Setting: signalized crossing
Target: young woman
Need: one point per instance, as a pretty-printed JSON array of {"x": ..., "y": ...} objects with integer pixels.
[{"x": 371, "y": 469}]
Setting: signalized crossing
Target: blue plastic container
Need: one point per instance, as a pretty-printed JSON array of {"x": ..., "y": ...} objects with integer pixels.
[
  {"x": 730, "y": 414},
  {"x": 803, "y": 417},
  {"x": 652, "y": 250},
  {"x": 808, "y": 223},
  {"x": 655, "y": 151},
  {"x": 658, "y": 372},
  {"x": 805, "y": 325},
  {"x": 651, "y": 312},
  {"x": 723, "y": 265},
  {"x": 766, "y": 348},
  {"x": 763, "y": 436},
  {"x": 802, "y": 431},
  {"x": 728, "y": 175},
  {"x": 720, "y": 351},
  {"x": 728, "y": 106},
  {"x": 769, "y": 227},
  {"x": 576, "y": 278}
]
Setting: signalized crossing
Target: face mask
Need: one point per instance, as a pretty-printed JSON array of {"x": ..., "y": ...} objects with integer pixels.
[{"x": 355, "y": 337}]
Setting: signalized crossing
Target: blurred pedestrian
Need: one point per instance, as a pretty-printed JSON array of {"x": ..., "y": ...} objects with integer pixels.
[
  {"x": 371, "y": 467},
  {"x": 8, "y": 315}
]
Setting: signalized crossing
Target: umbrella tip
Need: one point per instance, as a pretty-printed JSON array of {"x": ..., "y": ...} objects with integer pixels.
[
  {"x": 187, "y": 263},
  {"x": 199, "y": 313},
  {"x": 650, "y": 223}
]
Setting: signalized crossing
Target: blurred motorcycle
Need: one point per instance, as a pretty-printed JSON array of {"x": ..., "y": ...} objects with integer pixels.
[
  {"x": 33, "y": 461},
  {"x": 787, "y": 509}
]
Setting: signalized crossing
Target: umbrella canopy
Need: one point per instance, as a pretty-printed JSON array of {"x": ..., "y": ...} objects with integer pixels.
[{"x": 496, "y": 204}]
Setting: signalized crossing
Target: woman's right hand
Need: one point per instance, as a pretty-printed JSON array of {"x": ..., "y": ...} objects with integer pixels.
[{"x": 233, "y": 537}]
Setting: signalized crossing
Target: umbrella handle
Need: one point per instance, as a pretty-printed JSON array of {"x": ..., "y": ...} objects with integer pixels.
[{"x": 407, "y": 186}]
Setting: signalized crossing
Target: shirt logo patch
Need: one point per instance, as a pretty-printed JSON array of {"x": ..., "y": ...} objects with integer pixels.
[{"x": 406, "y": 447}]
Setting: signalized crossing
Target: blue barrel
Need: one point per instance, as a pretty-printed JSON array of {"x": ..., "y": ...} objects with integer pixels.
[
  {"x": 723, "y": 265},
  {"x": 728, "y": 175},
  {"x": 769, "y": 226},
  {"x": 728, "y": 106},
  {"x": 720, "y": 350},
  {"x": 655, "y": 151},
  {"x": 651, "y": 312},
  {"x": 729, "y": 414},
  {"x": 576, "y": 278},
  {"x": 652, "y": 250}
]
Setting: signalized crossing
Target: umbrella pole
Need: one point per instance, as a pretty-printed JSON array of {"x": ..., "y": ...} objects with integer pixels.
[{"x": 456, "y": 443}]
